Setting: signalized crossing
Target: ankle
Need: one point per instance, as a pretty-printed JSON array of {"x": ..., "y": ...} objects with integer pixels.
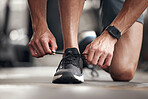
[{"x": 72, "y": 47}]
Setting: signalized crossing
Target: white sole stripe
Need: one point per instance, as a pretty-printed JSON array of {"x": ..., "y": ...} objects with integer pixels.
[{"x": 79, "y": 78}]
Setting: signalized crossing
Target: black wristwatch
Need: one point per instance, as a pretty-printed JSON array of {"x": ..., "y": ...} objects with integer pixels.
[{"x": 113, "y": 31}]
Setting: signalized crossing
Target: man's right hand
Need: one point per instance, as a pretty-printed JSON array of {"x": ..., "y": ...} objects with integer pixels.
[{"x": 42, "y": 42}]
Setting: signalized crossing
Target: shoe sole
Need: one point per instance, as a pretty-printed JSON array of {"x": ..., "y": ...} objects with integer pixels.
[{"x": 68, "y": 79}]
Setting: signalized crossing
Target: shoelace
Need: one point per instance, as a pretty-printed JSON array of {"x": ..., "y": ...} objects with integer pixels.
[
  {"x": 64, "y": 53},
  {"x": 70, "y": 58}
]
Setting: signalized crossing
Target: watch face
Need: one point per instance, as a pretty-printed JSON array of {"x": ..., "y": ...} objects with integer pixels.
[{"x": 114, "y": 31}]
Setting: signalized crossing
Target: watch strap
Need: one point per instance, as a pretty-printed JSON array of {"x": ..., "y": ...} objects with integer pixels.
[{"x": 113, "y": 31}]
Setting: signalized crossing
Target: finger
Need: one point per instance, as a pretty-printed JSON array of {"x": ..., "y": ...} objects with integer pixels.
[
  {"x": 90, "y": 56},
  {"x": 96, "y": 57},
  {"x": 108, "y": 61},
  {"x": 53, "y": 45},
  {"x": 32, "y": 51},
  {"x": 45, "y": 45},
  {"x": 40, "y": 48},
  {"x": 86, "y": 49},
  {"x": 103, "y": 67},
  {"x": 36, "y": 50},
  {"x": 101, "y": 60},
  {"x": 85, "y": 53}
]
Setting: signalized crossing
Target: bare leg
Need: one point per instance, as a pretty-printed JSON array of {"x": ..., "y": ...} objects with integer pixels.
[
  {"x": 126, "y": 54},
  {"x": 70, "y": 15}
]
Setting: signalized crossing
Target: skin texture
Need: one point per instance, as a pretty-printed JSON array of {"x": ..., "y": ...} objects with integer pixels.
[
  {"x": 70, "y": 16},
  {"x": 120, "y": 57},
  {"x": 42, "y": 36},
  {"x": 126, "y": 54},
  {"x": 101, "y": 50}
]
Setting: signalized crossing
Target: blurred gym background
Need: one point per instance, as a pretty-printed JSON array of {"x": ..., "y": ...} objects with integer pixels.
[{"x": 16, "y": 31}]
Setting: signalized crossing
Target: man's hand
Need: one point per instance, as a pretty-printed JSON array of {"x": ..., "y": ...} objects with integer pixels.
[
  {"x": 100, "y": 51},
  {"x": 42, "y": 42}
]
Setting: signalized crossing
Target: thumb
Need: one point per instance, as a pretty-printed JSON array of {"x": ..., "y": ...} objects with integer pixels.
[
  {"x": 53, "y": 45},
  {"x": 86, "y": 49}
]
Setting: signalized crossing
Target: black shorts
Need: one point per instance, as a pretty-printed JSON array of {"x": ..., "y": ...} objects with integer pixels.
[{"x": 110, "y": 9}]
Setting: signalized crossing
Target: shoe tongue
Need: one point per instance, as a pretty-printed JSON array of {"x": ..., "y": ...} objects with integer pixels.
[{"x": 71, "y": 50}]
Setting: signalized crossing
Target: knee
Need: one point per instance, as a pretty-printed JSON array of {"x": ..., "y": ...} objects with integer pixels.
[{"x": 123, "y": 75}]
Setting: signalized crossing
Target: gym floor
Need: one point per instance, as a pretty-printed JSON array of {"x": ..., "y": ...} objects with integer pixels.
[{"x": 36, "y": 83}]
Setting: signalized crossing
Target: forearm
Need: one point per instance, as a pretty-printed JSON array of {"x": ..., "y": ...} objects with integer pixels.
[
  {"x": 132, "y": 9},
  {"x": 38, "y": 12}
]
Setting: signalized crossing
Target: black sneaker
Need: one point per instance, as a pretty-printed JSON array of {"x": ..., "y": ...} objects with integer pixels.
[{"x": 70, "y": 68}]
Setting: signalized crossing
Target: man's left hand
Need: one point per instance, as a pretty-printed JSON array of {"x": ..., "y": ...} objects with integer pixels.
[{"x": 100, "y": 51}]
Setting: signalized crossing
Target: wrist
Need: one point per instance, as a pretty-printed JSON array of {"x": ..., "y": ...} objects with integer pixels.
[
  {"x": 39, "y": 26},
  {"x": 113, "y": 31},
  {"x": 111, "y": 38}
]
